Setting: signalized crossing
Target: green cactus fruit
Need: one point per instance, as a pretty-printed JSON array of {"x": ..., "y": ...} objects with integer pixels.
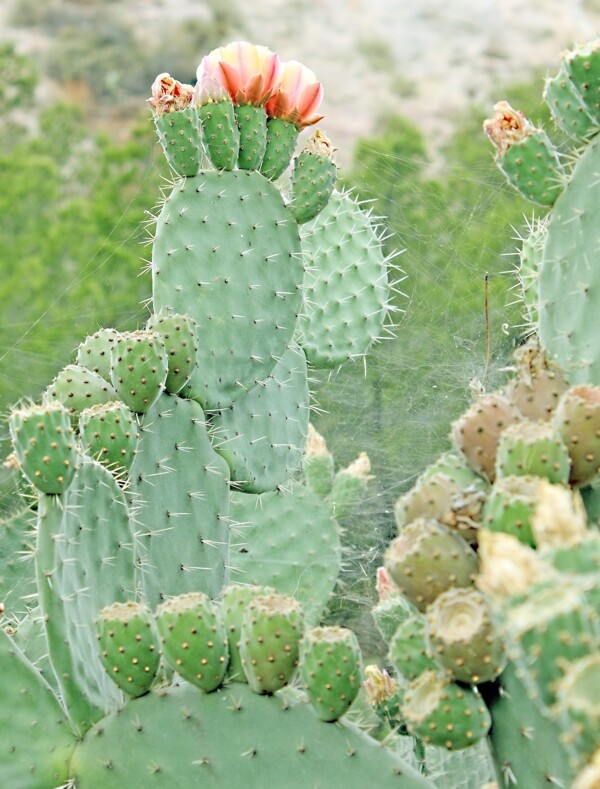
[
  {"x": 579, "y": 559},
  {"x": 454, "y": 465},
  {"x": 128, "y": 648},
  {"x": 533, "y": 448},
  {"x": 109, "y": 433},
  {"x": 553, "y": 625},
  {"x": 538, "y": 383},
  {"x": 476, "y": 432},
  {"x": 440, "y": 497},
  {"x": 569, "y": 313},
  {"x": 262, "y": 433},
  {"x": 94, "y": 352},
  {"x": 44, "y": 444},
  {"x": 385, "y": 697},
  {"x": 139, "y": 367},
  {"x": 314, "y": 176},
  {"x": 220, "y": 133},
  {"x": 463, "y": 637},
  {"x": 78, "y": 388},
  {"x": 510, "y": 507},
  {"x": 281, "y": 141},
  {"x": 252, "y": 123},
  {"x": 390, "y": 612},
  {"x": 181, "y": 737},
  {"x": 194, "y": 639},
  {"x": 227, "y": 254},
  {"x": 295, "y": 531},
  {"x": 578, "y": 695},
  {"x": 318, "y": 465},
  {"x": 235, "y": 601},
  {"x": 179, "y": 135},
  {"x": 350, "y": 486},
  {"x": 330, "y": 668},
  {"x": 178, "y": 333},
  {"x": 426, "y": 559},
  {"x": 577, "y": 419},
  {"x": 272, "y": 628},
  {"x": 443, "y": 713},
  {"x": 346, "y": 288},
  {"x": 583, "y": 68},
  {"x": 567, "y": 106},
  {"x": 408, "y": 649}
]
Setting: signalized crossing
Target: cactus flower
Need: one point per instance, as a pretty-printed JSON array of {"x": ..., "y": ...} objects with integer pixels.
[
  {"x": 169, "y": 95},
  {"x": 297, "y": 97},
  {"x": 507, "y": 126},
  {"x": 384, "y": 584},
  {"x": 248, "y": 72}
]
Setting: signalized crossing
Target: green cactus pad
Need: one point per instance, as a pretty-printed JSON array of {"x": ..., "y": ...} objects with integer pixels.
[
  {"x": 139, "y": 367},
  {"x": 281, "y": 141},
  {"x": 443, "y": 713},
  {"x": 463, "y": 637},
  {"x": 272, "y": 628},
  {"x": 330, "y": 668},
  {"x": 170, "y": 738},
  {"x": 569, "y": 311},
  {"x": 194, "y": 639},
  {"x": 408, "y": 648},
  {"x": 577, "y": 420},
  {"x": 346, "y": 287},
  {"x": 294, "y": 530},
  {"x": 178, "y": 333},
  {"x": 314, "y": 176},
  {"x": 179, "y": 135},
  {"x": 94, "y": 352},
  {"x": 391, "y": 612},
  {"x": 567, "y": 106},
  {"x": 235, "y": 601},
  {"x": 180, "y": 487},
  {"x": 579, "y": 702},
  {"x": 533, "y": 448},
  {"x": 583, "y": 67},
  {"x": 426, "y": 559},
  {"x": 36, "y": 741},
  {"x": 533, "y": 167},
  {"x": 510, "y": 507},
  {"x": 78, "y": 388},
  {"x": 109, "y": 433},
  {"x": 476, "y": 432},
  {"x": 252, "y": 123},
  {"x": 84, "y": 562},
  {"x": 44, "y": 444},
  {"x": 17, "y": 571},
  {"x": 227, "y": 253},
  {"x": 128, "y": 647},
  {"x": 220, "y": 133},
  {"x": 262, "y": 433}
]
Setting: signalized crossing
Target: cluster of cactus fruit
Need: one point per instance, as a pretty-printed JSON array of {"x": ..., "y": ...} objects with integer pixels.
[
  {"x": 490, "y": 593},
  {"x": 181, "y": 519}
]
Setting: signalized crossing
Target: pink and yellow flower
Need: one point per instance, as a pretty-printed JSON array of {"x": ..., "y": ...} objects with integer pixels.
[
  {"x": 248, "y": 72},
  {"x": 169, "y": 95},
  {"x": 507, "y": 126},
  {"x": 297, "y": 97}
]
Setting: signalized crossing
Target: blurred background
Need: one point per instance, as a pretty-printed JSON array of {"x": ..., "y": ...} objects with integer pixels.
[{"x": 407, "y": 86}]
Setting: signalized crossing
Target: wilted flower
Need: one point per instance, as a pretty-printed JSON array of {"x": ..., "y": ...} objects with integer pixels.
[
  {"x": 378, "y": 685},
  {"x": 507, "y": 566},
  {"x": 560, "y": 518},
  {"x": 297, "y": 97},
  {"x": 169, "y": 95},
  {"x": 316, "y": 445},
  {"x": 360, "y": 468},
  {"x": 507, "y": 126},
  {"x": 320, "y": 145},
  {"x": 248, "y": 72},
  {"x": 384, "y": 584}
]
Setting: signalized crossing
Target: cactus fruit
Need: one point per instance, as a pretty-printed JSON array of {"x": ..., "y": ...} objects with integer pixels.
[
  {"x": 194, "y": 639},
  {"x": 78, "y": 388},
  {"x": 408, "y": 651},
  {"x": 577, "y": 419},
  {"x": 272, "y": 628},
  {"x": 463, "y": 637},
  {"x": 109, "y": 433},
  {"x": 318, "y": 466},
  {"x": 95, "y": 351},
  {"x": 178, "y": 333},
  {"x": 567, "y": 105},
  {"x": 511, "y": 505},
  {"x": 235, "y": 600},
  {"x": 330, "y": 667},
  {"x": 139, "y": 368},
  {"x": 426, "y": 559},
  {"x": 176, "y": 124},
  {"x": 128, "y": 647},
  {"x": 533, "y": 448},
  {"x": 583, "y": 68},
  {"x": 313, "y": 178}
]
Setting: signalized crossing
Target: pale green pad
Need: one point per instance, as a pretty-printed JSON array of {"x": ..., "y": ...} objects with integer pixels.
[
  {"x": 288, "y": 541},
  {"x": 182, "y": 737},
  {"x": 262, "y": 433},
  {"x": 17, "y": 571},
  {"x": 346, "y": 284},
  {"x": 180, "y": 487},
  {"x": 227, "y": 253}
]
